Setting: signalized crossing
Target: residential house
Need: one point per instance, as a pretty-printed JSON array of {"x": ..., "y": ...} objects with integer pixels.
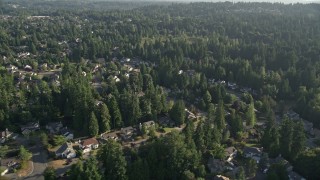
[
  {"x": 166, "y": 121},
  {"x": 295, "y": 176},
  {"x": 66, "y": 133},
  {"x": 89, "y": 144},
  {"x": 65, "y": 151},
  {"x": 281, "y": 160},
  {"x": 230, "y": 153},
  {"x": 28, "y": 68},
  {"x": 54, "y": 127},
  {"x": 147, "y": 125},
  {"x": 5, "y": 135},
  {"x": 253, "y": 152},
  {"x": 30, "y": 127},
  {"x": 220, "y": 177},
  {"x": 110, "y": 135},
  {"x": 216, "y": 165},
  {"x": 189, "y": 114},
  {"x": 127, "y": 130}
]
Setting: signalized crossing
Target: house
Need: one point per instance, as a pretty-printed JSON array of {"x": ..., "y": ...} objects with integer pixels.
[
  {"x": 230, "y": 153},
  {"x": 166, "y": 121},
  {"x": 66, "y": 133},
  {"x": 54, "y": 127},
  {"x": 253, "y": 152},
  {"x": 30, "y": 127},
  {"x": 66, "y": 151},
  {"x": 284, "y": 162},
  {"x": 88, "y": 144},
  {"x": 220, "y": 177},
  {"x": 189, "y": 114},
  {"x": 295, "y": 176},
  {"x": 110, "y": 135},
  {"x": 28, "y": 68},
  {"x": 127, "y": 130},
  {"x": 5, "y": 135},
  {"x": 216, "y": 165},
  {"x": 149, "y": 124}
]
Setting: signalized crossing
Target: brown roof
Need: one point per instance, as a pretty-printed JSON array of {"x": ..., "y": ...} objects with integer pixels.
[{"x": 90, "y": 141}]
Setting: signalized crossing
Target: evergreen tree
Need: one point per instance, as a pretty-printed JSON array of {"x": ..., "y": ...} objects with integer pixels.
[
  {"x": 270, "y": 138},
  {"x": 251, "y": 115},
  {"x": 93, "y": 125},
  {"x": 220, "y": 116},
  {"x": 49, "y": 173},
  {"x": 115, "y": 113},
  {"x": 299, "y": 140},
  {"x": 76, "y": 172},
  {"x": 241, "y": 174},
  {"x": 178, "y": 113},
  {"x": 105, "y": 118},
  {"x": 113, "y": 161},
  {"x": 91, "y": 170},
  {"x": 286, "y": 137}
]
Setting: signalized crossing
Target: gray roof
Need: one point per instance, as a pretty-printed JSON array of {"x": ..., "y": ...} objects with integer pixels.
[
  {"x": 63, "y": 148},
  {"x": 253, "y": 150}
]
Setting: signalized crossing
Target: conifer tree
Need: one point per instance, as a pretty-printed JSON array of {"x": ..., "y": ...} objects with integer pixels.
[{"x": 93, "y": 125}]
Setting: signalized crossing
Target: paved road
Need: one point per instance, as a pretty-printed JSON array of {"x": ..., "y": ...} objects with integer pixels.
[{"x": 39, "y": 159}]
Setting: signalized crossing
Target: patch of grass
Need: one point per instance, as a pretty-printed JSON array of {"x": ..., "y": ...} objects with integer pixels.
[
  {"x": 167, "y": 130},
  {"x": 252, "y": 144}
]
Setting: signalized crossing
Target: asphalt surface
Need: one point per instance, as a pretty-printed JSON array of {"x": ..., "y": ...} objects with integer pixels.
[{"x": 39, "y": 159}]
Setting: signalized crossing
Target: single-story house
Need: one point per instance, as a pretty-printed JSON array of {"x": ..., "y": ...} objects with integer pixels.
[
  {"x": 253, "y": 152},
  {"x": 54, "y": 127},
  {"x": 230, "y": 153},
  {"x": 110, "y": 135},
  {"x": 216, "y": 165},
  {"x": 65, "y": 151},
  {"x": 127, "y": 130},
  {"x": 66, "y": 133},
  {"x": 30, "y": 127},
  {"x": 295, "y": 176},
  {"x": 220, "y": 177},
  {"x": 88, "y": 144}
]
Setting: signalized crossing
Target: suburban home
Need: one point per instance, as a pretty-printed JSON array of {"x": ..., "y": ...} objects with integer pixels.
[
  {"x": 220, "y": 177},
  {"x": 65, "y": 151},
  {"x": 148, "y": 124},
  {"x": 66, "y": 133},
  {"x": 127, "y": 130},
  {"x": 216, "y": 165},
  {"x": 88, "y": 144},
  {"x": 230, "y": 152},
  {"x": 253, "y": 152},
  {"x": 54, "y": 127},
  {"x": 110, "y": 135},
  {"x": 30, "y": 127},
  {"x": 189, "y": 114},
  {"x": 295, "y": 176},
  {"x": 28, "y": 68},
  {"x": 284, "y": 162},
  {"x": 5, "y": 135}
]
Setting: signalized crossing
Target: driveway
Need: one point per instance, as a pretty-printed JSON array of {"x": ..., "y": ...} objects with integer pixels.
[{"x": 39, "y": 158}]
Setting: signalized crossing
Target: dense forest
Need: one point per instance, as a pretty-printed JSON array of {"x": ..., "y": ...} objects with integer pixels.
[{"x": 182, "y": 55}]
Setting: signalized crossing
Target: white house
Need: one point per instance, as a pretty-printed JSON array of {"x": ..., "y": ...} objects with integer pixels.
[
  {"x": 65, "y": 151},
  {"x": 89, "y": 144}
]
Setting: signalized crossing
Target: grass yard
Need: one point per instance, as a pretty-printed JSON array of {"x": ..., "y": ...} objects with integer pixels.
[{"x": 56, "y": 164}]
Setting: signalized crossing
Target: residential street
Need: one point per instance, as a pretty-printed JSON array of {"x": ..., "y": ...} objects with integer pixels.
[{"x": 39, "y": 162}]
